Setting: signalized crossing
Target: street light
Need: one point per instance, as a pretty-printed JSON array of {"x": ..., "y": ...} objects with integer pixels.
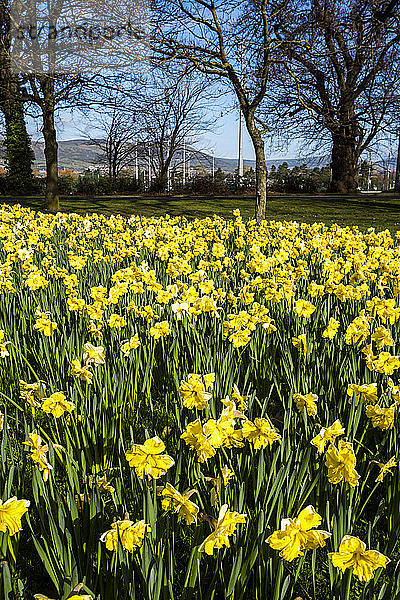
[
  {"x": 149, "y": 165},
  {"x": 184, "y": 163},
  {"x": 212, "y": 150},
  {"x": 369, "y": 172}
]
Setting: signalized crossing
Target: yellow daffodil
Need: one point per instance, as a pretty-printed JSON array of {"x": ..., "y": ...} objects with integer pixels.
[
  {"x": 357, "y": 331},
  {"x": 57, "y": 404},
  {"x": 309, "y": 401},
  {"x": 75, "y": 304},
  {"x": 328, "y": 434},
  {"x": 82, "y": 372},
  {"x": 11, "y": 513},
  {"x": 227, "y": 474},
  {"x": 44, "y": 324},
  {"x": 301, "y": 344},
  {"x": 380, "y": 417},
  {"x": 38, "y": 453},
  {"x": 382, "y": 337},
  {"x": 367, "y": 392},
  {"x": 369, "y": 357},
  {"x": 195, "y": 438},
  {"x": 230, "y": 411},
  {"x": 36, "y": 280},
  {"x": 386, "y": 363},
  {"x": 241, "y": 400},
  {"x": 352, "y": 554},
  {"x": 331, "y": 329},
  {"x": 147, "y": 458},
  {"x": 240, "y": 338},
  {"x": 260, "y": 433},
  {"x": 116, "y": 321},
  {"x": 386, "y": 468},
  {"x": 179, "y": 503},
  {"x": 193, "y": 391},
  {"x": 160, "y": 330},
  {"x": 341, "y": 462},
  {"x": 95, "y": 328},
  {"x": 222, "y": 432},
  {"x": 394, "y": 390},
  {"x": 126, "y": 532},
  {"x": 3, "y": 345},
  {"x": 104, "y": 487},
  {"x": 224, "y": 526},
  {"x": 131, "y": 344},
  {"x": 32, "y": 392},
  {"x": 297, "y": 535},
  {"x": 304, "y": 308},
  {"x": 93, "y": 354}
]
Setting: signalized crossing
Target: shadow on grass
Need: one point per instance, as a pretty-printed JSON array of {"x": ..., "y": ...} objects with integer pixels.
[{"x": 381, "y": 213}]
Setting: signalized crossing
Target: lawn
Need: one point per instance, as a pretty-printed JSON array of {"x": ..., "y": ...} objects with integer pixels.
[{"x": 382, "y": 212}]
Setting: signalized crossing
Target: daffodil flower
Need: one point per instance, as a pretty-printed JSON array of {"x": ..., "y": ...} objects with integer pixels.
[
  {"x": 352, "y": 554},
  {"x": 147, "y": 458},
  {"x": 297, "y": 535},
  {"x": 224, "y": 527},
  {"x": 11, "y": 513},
  {"x": 179, "y": 503},
  {"x": 129, "y": 534}
]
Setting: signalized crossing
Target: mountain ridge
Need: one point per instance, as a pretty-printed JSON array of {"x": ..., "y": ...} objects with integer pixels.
[{"x": 81, "y": 154}]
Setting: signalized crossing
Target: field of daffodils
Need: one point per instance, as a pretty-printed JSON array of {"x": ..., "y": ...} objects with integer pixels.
[{"x": 198, "y": 410}]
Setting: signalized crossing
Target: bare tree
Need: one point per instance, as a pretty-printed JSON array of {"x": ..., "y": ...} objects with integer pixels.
[
  {"x": 113, "y": 128},
  {"x": 55, "y": 73},
  {"x": 173, "y": 112},
  {"x": 36, "y": 55},
  {"x": 340, "y": 77},
  {"x": 226, "y": 40},
  {"x": 148, "y": 119}
]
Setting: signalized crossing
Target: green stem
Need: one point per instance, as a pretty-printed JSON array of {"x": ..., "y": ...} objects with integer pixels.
[{"x": 349, "y": 576}]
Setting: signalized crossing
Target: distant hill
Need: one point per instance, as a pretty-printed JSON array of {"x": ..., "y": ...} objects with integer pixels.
[
  {"x": 78, "y": 155},
  {"x": 82, "y": 154}
]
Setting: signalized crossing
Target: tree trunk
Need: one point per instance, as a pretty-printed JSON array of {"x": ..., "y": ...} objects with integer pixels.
[
  {"x": 344, "y": 164},
  {"x": 160, "y": 184},
  {"x": 52, "y": 201},
  {"x": 261, "y": 169}
]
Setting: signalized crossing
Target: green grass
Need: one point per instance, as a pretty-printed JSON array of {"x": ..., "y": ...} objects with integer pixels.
[{"x": 380, "y": 213}]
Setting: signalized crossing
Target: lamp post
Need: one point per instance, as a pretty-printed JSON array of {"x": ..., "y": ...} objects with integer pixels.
[
  {"x": 240, "y": 153},
  {"x": 184, "y": 163},
  {"x": 397, "y": 180},
  {"x": 240, "y": 158},
  {"x": 169, "y": 164},
  {"x": 149, "y": 166},
  {"x": 369, "y": 172}
]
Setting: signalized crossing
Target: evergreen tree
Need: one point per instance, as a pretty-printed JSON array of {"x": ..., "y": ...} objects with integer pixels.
[{"x": 19, "y": 154}]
